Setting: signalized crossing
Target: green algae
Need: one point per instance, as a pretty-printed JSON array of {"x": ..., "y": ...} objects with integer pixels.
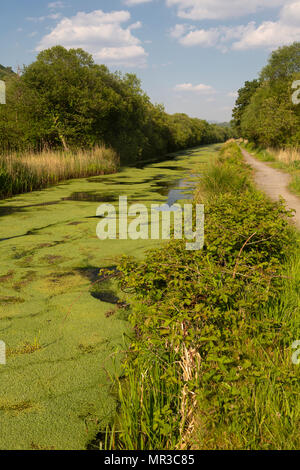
[{"x": 65, "y": 333}]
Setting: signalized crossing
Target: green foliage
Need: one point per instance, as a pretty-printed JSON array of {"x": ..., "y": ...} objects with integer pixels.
[
  {"x": 283, "y": 63},
  {"x": 204, "y": 304},
  {"x": 64, "y": 99},
  {"x": 264, "y": 112},
  {"x": 244, "y": 97},
  {"x": 5, "y": 72}
]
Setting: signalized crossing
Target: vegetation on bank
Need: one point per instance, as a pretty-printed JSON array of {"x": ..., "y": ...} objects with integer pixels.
[
  {"x": 284, "y": 159},
  {"x": 26, "y": 172},
  {"x": 264, "y": 112},
  {"x": 65, "y": 100},
  {"x": 210, "y": 364}
]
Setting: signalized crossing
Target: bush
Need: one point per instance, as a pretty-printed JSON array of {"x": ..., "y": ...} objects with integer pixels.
[{"x": 193, "y": 311}]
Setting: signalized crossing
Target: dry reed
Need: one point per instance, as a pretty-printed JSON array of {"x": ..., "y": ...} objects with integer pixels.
[{"x": 33, "y": 171}]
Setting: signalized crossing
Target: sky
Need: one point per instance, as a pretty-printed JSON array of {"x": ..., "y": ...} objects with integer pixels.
[{"x": 191, "y": 55}]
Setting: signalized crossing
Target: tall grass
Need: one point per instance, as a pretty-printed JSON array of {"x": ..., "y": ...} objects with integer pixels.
[
  {"x": 287, "y": 159},
  {"x": 155, "y": 413},
  {"x": 288, "y": 156},
  {"x": 224, "y": 174},
  {"x": 21, "y": 173},
  {"x": 145, "y": 405}
]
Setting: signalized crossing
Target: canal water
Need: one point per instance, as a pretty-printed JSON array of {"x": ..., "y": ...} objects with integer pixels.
[{"x": 64, "y": 339}]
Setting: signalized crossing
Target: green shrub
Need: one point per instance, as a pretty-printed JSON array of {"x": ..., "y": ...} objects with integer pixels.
[{"x": 194, "y": 313}]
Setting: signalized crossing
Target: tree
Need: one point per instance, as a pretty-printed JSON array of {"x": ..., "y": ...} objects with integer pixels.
[
  {"x": 264, "y": 111},
  {"x": 244, "y": 97},
  {"x": 64, "y": 99},
  {"x": 283, "y": 63},
  {"x": 5, "y": 72}
]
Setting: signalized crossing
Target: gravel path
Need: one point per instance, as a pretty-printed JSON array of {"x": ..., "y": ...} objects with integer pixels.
[{"x": 274, "y": 183}]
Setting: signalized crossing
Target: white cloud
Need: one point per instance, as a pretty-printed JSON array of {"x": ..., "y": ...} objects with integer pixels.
[
  {"x": 117, "y": 55},
  {"x": 201, "y": 37},
  {"x": 55, "y": 5},
  {"x": 136, "y": 25},
  {"x": 39, "y": 19},
  {"x": 221, "y": 36},
  {"x": 220, "y": 9},
  {"x": 269, "y": 34},
  {"x": 102, "y": 35},
  {"x": 54, "y": 16},
  {"x": 273, "y": 34},
  {"x": 290, "y": 14},
  {"x": 201, "y": 88},
  {"x": 131, "y": 3},
  {"x": 35, "y": 19},
  {"x": 233, "y": 94},
  {"x": 178, "y": 30}
]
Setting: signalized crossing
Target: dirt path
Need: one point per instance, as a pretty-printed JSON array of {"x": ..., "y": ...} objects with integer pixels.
[{"x": 274, "y": 183}]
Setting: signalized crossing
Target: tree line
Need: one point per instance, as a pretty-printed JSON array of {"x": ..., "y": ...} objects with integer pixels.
[
  {"x": 65, "y": 100},
  {"x": 264, "y": 112}
]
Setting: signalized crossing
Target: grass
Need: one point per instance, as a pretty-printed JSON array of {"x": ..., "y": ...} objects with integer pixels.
[
  {"x": 26, "y": 172},
  {"x": 142, "y": 393},
  {"x": 289, "y": 156},
  {"x": 221, "y": 176},
  {"x": 287, "y": 160}
]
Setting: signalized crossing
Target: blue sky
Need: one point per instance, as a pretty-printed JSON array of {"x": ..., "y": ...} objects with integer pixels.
[{"x": 192, "y": 55}]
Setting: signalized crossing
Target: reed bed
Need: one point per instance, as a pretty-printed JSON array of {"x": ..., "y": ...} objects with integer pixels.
[{"x": 26, "y": 172}]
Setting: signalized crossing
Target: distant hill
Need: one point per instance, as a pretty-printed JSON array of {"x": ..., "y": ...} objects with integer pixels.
[
  {"x": 5, "y": 72},
  {"x": 221, "y": 124}
]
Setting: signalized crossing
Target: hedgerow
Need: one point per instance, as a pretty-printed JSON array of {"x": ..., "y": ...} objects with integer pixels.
[{"x": 193, "y": 313}]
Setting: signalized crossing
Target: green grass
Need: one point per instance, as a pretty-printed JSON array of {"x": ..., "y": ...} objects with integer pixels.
[
  {"x": 260, "y": 153},
  {"x": 295, "y": 183},
  {"x": 63, "y": 343},
  {"x": 221, "y": 176},
  {"x": 145, "y": 404}
]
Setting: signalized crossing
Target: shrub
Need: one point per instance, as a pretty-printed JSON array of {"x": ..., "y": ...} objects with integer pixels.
[{"x": 193, "y": 311}]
